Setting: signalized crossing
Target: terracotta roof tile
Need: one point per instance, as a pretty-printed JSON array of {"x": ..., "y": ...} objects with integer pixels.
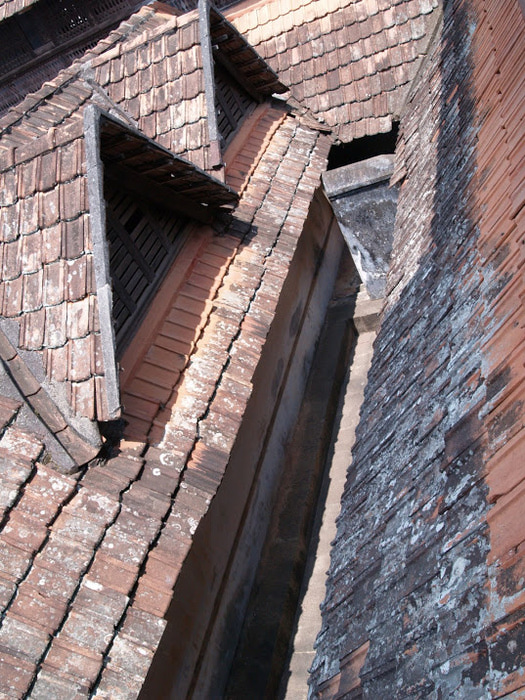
[
  {"x": 336, "y": 32},
  {"x": 49, "y": 204},
  {"x": 27, "y": 641},
  {"x": 126, "y": 537},
  {"x": 17, "y": 673},
  {"x": 99, "y": 549},
  {"x": 50, "y": 685},
  {"x": 11, "y": 7}
]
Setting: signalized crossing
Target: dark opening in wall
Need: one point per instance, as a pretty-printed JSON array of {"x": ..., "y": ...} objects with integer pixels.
[{"x": 366, "y": 147}]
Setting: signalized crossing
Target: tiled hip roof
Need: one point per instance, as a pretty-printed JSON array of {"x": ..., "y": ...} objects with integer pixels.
[
  {"x": 106, "y": 550},
  {"x": 349, "y": 62},
  {"x": 148, "y": 75}
]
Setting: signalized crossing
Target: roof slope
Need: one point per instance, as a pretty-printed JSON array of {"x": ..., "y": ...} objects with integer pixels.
[
  {"x": 136, "y": 73},
  {"x": 148, "y": 75},
  {"x": 89, "y": 559},
  {"x": 349, "y": 61},
  {"x": 86, "y": 592}
]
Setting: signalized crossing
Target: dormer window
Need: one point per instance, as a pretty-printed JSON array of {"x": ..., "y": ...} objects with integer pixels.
[
  {"x": 236, "y": 79},
  {"x": 151, "y": 198},
  {"x": 232, "y": 103},
  {"x": 143, "y": 201}
]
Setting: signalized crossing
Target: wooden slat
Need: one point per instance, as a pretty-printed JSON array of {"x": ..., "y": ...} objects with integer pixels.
[
  {"x": 129, "y": 244},
  {"x": 143, "y": 242},
  {"x": 159, "y": 194}
]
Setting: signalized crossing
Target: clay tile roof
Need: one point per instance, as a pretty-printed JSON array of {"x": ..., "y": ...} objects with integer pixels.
[
  {"x": 239, "y": 54},
  {"x": 13, "y": 7},
  {"x": 88, "y": 563},
  {"x": 148, "y": 76},
  {"x": 89, "y": 560},
  {"x": 130, "y": 151},
  {"x": 349, "y": 61}
]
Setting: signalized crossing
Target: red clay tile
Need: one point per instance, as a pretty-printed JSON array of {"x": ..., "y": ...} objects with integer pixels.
[
  {"x": 80, "y": 360},
  {"x": 144, "y": 501},
  {"x": 144, "y": 408},
  {"x": 109, "y": 573},
  {"x": 150, "y": 600},
  {"x": 24, "y": 532},
  {"x": 137, "y": 429},
  {"x": 143, "y": 628},
  {"x": 14, "y": 561},
  {"x": 141, "y": 388},
  {"x": 90, "y": 631},
  {"x": 32, "y": 328},
  {"x": 51, "y": 685},
  {"x": 162, "y": 573},
  {"x": 129, "y": 657},
  {"x": 45, "y": 613},
  {"x": 32, "y": 292},
  {"x": 158, "y": 375},
  {"x": 65, "y": 555},
  {"x": 17, "y": 674},
  {"x": 159, "y": 477},
  {"x": 26, "y": 641},
  {"x": 68, "y": 658},
  {"x": 80, "y": 529}
]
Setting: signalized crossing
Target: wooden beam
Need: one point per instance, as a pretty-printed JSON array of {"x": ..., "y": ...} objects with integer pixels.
[
  {"x": 237, "y": 74},
  {"x": 209, "y": 81},
  {"x": 159, "y": 194}
]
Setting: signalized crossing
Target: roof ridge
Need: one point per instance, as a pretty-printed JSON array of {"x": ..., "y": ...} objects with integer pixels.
[{"x": 103, "y": 95}]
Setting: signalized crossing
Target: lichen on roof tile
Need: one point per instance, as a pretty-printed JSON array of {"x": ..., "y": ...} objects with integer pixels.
[{"x": 142, "y": 512}]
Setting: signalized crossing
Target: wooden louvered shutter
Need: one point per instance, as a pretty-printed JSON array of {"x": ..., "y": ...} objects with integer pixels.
[
  {"x": 143, "y": 241},
  {"x": 231, "y": 103}
]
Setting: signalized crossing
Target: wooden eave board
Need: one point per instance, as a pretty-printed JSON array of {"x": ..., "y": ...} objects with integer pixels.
[
  {"x": 123, "y": 146},
  {"x": 245, "y": 59}
]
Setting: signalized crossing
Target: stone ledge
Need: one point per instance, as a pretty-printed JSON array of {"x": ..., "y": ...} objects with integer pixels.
[
  {"x": 367, "y": 313},
  {"x": 358, "y": 175}
]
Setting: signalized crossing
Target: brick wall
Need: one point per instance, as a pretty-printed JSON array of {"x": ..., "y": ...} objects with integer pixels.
[{"x": 424, "y": 592}]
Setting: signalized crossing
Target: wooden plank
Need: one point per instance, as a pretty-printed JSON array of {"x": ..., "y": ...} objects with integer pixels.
[
  {"x": 124, "y": 297},
  {"x": 159, "y": 194},
  {"x": 134, "y": 250}
]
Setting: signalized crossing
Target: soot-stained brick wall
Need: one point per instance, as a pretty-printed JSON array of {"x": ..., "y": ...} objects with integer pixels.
[{"x": 424, "y": 595}]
